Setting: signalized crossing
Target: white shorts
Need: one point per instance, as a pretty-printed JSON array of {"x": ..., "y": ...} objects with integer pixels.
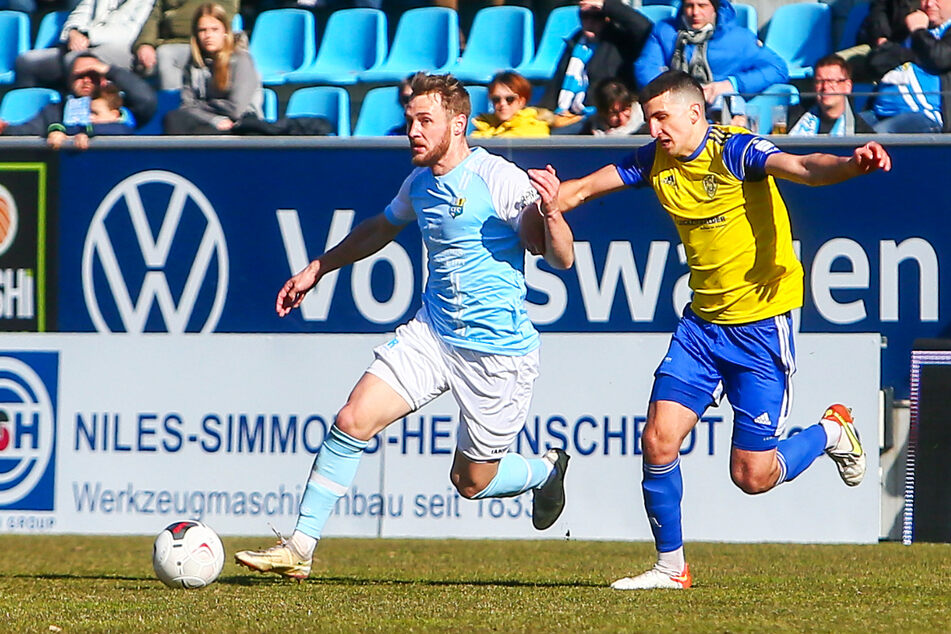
[{"x": 493, "y": 391}]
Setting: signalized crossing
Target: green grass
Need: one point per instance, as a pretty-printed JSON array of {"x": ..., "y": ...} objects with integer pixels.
[{"x": 106, "y": 584}]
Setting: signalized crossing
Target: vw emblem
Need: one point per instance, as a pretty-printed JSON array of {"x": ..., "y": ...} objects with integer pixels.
[{"x": 130, "y": 218}]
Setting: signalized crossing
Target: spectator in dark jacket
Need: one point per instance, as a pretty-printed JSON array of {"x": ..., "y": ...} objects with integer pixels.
[
  {"x": 88, "y": 76},
  {"x": 611, "y": 37},
  {"x": 705, "y": 41},
  {"x": 883, "y": 27}
]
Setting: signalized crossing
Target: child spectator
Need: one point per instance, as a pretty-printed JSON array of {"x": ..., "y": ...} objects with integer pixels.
[
  {"x": 85, "y": 117},
  {"x": 616, "y": 113}
]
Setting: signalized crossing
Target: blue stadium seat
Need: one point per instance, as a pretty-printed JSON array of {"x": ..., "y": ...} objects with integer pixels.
[
  {"x": 427, "y": 39},
  {"x": 51, "y": 25},
  {"x": 761, "y": 106},
  {"x": 672, "y": 3},
  {"x": 14, "y": 39},
  {"x": 270, "y": 105},
  {"x": 562, "y": 23},
  {"x": 657, "y": 12},
  {"x": 746, "y": 16},
  {"x": 330, "y": 102},
  {"x": 283, "y": 40},
  {"x": 479, "y": 98},
  {"x": 501, "y": 38},
  {"x": 237, "y": 23},
  {"x": 380, "y": 112},
  {"x": 354, "y": 41},
  {"x": 22, "y": 104},
  {"x": 853, "y": 22},
  {"x": 863, "y": 96},
  {"x": 800, "y": 33},
  {"x": 168, "y": 100}
]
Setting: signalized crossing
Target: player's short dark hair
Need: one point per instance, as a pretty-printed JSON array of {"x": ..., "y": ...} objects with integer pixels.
[
  {"x": 674, "y": 81},
  {"x": 455, "y": 97},
  {"x": 834, "y": 60}
]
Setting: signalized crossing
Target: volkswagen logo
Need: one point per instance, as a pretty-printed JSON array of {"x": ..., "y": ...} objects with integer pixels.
[{"x": 170, "y": 227}]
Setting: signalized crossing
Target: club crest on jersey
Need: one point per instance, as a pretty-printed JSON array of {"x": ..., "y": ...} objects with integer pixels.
[
  {"x": 455, "y": 209},
  {"x": 710, "y": 185}
]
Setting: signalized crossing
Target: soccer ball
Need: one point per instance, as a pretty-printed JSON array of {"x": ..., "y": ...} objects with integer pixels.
[{"x": 187, "y": 554}]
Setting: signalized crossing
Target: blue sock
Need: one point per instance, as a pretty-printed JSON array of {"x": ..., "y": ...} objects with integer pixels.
[
  {"x": 797, "y": 452},
  {"x": 516, "y": 474},
  {"x": 333, "y": 473},
  {"x": 663, "y": 487}
]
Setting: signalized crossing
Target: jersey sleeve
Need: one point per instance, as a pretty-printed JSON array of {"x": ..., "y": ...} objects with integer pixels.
[
  {"x": 635, "y": 168},
  {"x": 745, "y": 156},
  {"x": 400, "y": 210},
  {"x": 511, "y": 191}
]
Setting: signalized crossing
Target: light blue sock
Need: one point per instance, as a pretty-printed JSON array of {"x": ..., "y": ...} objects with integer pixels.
[
  {"x": 334, "y": 469},
  {"x": 797, "y": 452},
  {"x": 663, "y": 487},
  {"x": 516, "y": 474}
]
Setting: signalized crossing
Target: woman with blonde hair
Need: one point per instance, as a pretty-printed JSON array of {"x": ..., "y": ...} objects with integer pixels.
[
  {"x": 509, "y": 93},
  {"x": 221, "y": 84}
]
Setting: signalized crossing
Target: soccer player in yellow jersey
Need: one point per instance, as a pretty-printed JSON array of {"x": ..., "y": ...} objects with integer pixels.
[{"x": 735, "y": 337}]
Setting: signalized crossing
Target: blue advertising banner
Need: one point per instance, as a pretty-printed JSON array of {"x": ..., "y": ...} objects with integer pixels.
[{"x": 178, "y": 240}]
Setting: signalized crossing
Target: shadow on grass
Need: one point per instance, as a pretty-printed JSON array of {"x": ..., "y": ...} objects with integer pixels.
[
  {"x": 67, "y": 577},
  {"x": 256, "y": 580}
]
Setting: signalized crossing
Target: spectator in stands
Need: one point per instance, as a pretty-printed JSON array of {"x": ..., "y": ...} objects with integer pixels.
[
  {"x": 832, "y": 113},
  {"x": 509, "y": 93},
  {"x": 89, "y": 75},
  {"x": 705, "y": 41},
  {"x": 103, "y": 27},
  {"x": 909, "y": 98},
  {"x": 611, "y": 37},
  {"x": 616, "y": 112},
  {"x": 163, "y": 47},
  {"x": 405, "y": 92},
  {"x": 221, "y": 85},
  {"x": 883, "y": 28},
  {"x": 106, "y": 116}
]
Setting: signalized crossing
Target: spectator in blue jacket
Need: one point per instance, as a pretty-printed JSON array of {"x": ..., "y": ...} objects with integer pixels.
[{"x": 705, "y": 41}]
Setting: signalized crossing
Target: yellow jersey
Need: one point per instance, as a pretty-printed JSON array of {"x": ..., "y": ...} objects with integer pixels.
[{"x": 731, "y": 220}]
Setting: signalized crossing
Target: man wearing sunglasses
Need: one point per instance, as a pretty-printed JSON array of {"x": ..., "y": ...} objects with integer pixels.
[
  {"x": 87, "y": 75},
  {"x": 605, "y": 47}
]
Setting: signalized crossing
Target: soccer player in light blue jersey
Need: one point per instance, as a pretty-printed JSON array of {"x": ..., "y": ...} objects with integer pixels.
[{"x": 472, "y": 335}]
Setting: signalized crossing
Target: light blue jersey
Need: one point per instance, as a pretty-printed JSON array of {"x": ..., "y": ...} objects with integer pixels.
[{"x": 475, "y": 291}]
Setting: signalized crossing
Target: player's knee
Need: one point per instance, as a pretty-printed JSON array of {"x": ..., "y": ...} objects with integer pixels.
[
  {"x": 467, "y": 486},
  {"x": 752, "y": 482},
  {"x": 350, "y": 422},
  {"x": 658, "y": 447}
]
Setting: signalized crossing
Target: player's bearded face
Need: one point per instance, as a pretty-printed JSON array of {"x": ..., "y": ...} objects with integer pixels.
[{"x": 429, "y": 130}]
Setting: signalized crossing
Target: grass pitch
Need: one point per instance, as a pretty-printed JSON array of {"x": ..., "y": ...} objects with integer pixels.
[{"x": 84, "y": 584}]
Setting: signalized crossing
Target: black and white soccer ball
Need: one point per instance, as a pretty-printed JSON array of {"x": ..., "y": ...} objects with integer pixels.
[{"x": 188, "y": 554}]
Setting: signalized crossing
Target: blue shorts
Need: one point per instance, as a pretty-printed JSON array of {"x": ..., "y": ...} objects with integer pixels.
[{"x": 752, "y": 364}]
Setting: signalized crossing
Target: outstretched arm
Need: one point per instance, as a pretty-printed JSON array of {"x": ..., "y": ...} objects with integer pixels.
[
  {"x": 827, "y": 169},
  {"x": 559, "y": 241},
  {"x": 367, "y": 238}
]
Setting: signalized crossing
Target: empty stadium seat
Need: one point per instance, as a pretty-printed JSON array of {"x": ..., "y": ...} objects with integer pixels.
[
  {"x": 330, "y": 102},
  {"x": 562, "y": 23},
  {"x": 14, "y": 39},
  {"x": 501, "y": 38},
  {"x": 761, "y": 106},
  {"x": 237, "y": 23},
  {"x": 672, "y": 3},
  {"x": 269, "y": 107},
  {"x": 427, "y": 39},
  {"x": 167, "y": 100},
  {"x": 283, "y": 40},
  {"x": 657, "y": 12},
  {"x": 379, "y": 112},
  {"x": 22, "y": 104},
  {"x": 853, "y": 23},
  {"x": 51, "y": 25},
  {"x": 746, "y": 16},
  {"x": 479, "y": 98},
  {"x": 354, "y": 41},
  {"x": 800, "y": 33}
]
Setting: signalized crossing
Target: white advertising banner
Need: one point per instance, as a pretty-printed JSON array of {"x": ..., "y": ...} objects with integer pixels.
[{"x": 125, "y": 434}]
